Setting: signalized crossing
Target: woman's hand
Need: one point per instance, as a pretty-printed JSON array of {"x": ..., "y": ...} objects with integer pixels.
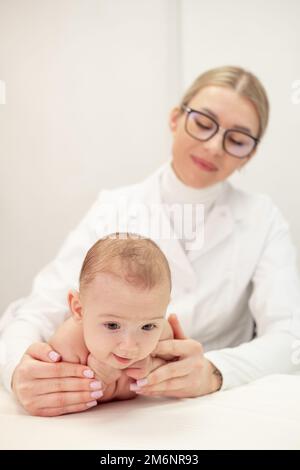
[
  {"x": 143, "y": 368},
  {"x": 189, "y": 374},
  {"x": 46, "y": 387}
]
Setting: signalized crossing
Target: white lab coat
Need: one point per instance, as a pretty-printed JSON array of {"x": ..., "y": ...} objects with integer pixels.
[{"x": 242, "y": 284}]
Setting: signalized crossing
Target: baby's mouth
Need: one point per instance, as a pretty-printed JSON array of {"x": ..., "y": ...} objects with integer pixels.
[{"x": 123, "y": 360}]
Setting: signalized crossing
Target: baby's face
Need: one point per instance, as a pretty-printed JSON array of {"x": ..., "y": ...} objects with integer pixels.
[{"x": 122, "y": 323}]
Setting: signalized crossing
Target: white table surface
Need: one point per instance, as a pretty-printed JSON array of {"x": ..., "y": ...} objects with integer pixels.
[{"x": 262, "y": 415}]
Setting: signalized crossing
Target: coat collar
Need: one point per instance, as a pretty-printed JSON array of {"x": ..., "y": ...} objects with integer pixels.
[
  {"x": 218, "y": 226},
  {"x": 230, "y": 197}
]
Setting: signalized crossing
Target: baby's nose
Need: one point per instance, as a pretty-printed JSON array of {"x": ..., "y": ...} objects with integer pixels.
[{"x": 128, "y": 345}]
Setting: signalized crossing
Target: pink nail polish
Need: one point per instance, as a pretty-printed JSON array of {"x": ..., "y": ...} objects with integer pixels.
[
  {"x": 97, "y": 394},
  {"x": 141, "y": 382},
  {"x": 53, "y": 356},
  {"x": 91, "y": 403},
  {"x": 96, "y": 384},
  {"x": 88, "y": 373},
  {"x": 134, "y": 387}
]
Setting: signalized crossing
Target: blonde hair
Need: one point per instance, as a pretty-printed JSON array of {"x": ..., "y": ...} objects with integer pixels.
[
  {"x": 137, "y": 260},
  {"x": 240, "y": 80}
]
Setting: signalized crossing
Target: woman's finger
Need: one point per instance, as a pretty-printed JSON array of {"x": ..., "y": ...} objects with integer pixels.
[
  {"x": 176, "y": 327},
  {"x": 178, "y": 348},
  {"x": 178, "y": 393},
  {"x": 166, "y": 372},
  {"x": 170, "y": 385},
  {"x": 172, "y": 388},
  {"x": 69, "y": 384},
  {"x": 49, "y": 412},
  {"x": 44, "y": 370},
  {"x": 65, "y": 399},
  {"x": 140, "y": 373},
  {"x": 43, "y": 352}
]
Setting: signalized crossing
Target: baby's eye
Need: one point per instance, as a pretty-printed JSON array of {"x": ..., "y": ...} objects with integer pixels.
[
  {"x": 149, "y": 327},
  {"x": 111, "y": 326}
]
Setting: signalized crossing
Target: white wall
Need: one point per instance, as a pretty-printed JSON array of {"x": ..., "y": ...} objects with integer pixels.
[
  {"x": 89, "y": 84},
  {"x": 88, "y": 87},
  {"x": 263, "y": 36}
]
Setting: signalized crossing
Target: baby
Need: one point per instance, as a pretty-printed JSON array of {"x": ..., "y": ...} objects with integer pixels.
[{"x": 118, "y": 314}]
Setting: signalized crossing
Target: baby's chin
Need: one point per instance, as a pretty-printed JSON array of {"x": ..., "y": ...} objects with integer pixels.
[{"x": 119, "y": 363}]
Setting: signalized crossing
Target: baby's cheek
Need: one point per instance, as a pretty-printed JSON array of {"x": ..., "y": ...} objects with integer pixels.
[
  {"x": 150, "y": 345},
  {"x": 98, "y": 349}
]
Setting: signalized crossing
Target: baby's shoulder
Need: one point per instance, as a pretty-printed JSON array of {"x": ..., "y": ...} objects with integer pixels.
[{"x": 68, "y": 341}]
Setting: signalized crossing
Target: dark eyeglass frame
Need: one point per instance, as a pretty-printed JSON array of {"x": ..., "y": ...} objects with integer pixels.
[{"x": 189, "y": 110}]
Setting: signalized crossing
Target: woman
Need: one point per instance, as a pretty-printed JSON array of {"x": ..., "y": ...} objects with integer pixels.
[{"x": 236, "y": 295}]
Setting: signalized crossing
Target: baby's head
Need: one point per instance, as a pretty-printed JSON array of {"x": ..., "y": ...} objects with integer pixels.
[{"x": 124, "y": 291}]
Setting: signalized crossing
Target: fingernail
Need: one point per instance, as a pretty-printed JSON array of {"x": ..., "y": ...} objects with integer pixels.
[
  {"x": 53, "y": 356},
  {"x": 92, "y": 403},
  {"x": 97, "y": 394},
  {"x": 88, "y": 373},
  {"x": 134, "y": 387},
  {"x": 141, "y": 382},
  {"x": 96, "y": 384}
]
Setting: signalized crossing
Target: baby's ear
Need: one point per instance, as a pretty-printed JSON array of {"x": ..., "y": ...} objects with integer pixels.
[{"x": 75, "y": 305}]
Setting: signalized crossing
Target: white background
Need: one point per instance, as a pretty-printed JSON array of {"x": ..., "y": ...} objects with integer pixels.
[{"x": 89, "y": 85}]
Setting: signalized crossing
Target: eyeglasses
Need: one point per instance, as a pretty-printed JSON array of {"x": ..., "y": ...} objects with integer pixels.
[{"x": 202, "y": 127}]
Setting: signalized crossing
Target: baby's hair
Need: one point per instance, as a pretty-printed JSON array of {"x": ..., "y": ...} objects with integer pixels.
[{"x": 133, "y": 258}]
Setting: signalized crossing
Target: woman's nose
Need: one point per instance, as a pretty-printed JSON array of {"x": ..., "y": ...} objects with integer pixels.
[{"x": 214, "y": 145}]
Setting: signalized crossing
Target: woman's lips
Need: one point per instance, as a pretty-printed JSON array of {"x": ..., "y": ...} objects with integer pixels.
[
  {"x": 123, "y": 360},
  {"x": 205, "y": 165}
]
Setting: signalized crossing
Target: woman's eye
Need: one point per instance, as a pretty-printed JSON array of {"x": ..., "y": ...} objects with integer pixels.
[
  {"x": 207, "y": 128},
  {"x": 235, "y": 142},
  {"x": 111, "y": 326},
  {"x": 149, "y": 327}
]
